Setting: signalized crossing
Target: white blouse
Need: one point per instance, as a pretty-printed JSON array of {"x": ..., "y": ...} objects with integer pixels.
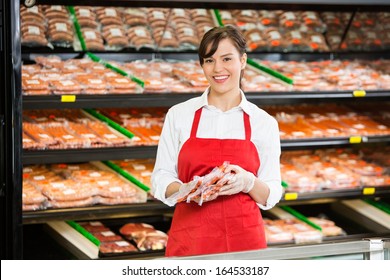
[{"x": 215, "y": 123}]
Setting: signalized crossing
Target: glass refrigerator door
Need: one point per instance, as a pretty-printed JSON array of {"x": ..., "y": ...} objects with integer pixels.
[{"x": 10, "y": 132}]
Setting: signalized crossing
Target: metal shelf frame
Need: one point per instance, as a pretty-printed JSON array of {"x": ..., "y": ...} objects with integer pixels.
[
  {"x": 152, "y": 208},
  {"x": 170, "y": 99},
  {"x": 96, "y": 212},
  {"x": 361, "y": 247},
  {"x": 149, "y": 100},
  {"x": 142, "y": 152}
]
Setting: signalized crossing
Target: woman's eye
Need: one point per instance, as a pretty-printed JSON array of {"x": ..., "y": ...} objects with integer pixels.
[
  {"x": 227, "y": 59},
  {"x": 208, "y": 60}
]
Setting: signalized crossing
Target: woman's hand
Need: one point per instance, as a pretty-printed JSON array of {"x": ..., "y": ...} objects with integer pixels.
[
  {"x": 241, "y": 181},
  {"x": 177, "y": 192}
]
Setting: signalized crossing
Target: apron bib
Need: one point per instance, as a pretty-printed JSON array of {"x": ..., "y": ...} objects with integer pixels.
[{"x": 228, "y": 223}]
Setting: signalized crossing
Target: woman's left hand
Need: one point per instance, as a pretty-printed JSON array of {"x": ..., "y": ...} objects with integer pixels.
[{"x": 242, "y": 181}]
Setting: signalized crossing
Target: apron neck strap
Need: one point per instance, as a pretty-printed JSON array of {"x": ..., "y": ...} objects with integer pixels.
[
  {"x": 195, "y": 123},
  {"x": 247, "y": 125}
]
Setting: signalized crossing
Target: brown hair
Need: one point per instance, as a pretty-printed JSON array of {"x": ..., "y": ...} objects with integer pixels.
[{"x": 215, "y": 35}]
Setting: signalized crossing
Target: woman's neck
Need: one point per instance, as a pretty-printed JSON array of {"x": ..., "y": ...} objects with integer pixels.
[{"x": 224, "y": 101}]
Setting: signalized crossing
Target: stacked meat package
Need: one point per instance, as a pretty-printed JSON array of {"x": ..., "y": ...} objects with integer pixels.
[
  {"x": 126, "y": 238},
  {"x": 114, "y": 28},
  {"x": 48, "y": 26},
  {"x": 68, "y": 129},
  {"x": 76, "y": 185},
  {"x": 308, "y": 171},
  {"x": 52, "y": 75},
  {"x": 117, "y": 28},
  {"x": 294, "y": 230}
]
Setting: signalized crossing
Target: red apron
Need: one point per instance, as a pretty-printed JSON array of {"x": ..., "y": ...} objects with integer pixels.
[{"x": 228, "y": 223}]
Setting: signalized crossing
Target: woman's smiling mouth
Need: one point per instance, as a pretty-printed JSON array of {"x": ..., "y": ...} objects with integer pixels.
[{"x": 220, "y": 79}]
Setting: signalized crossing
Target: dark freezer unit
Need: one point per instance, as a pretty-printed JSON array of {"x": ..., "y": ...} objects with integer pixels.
[{"x": 10, "y": 131}]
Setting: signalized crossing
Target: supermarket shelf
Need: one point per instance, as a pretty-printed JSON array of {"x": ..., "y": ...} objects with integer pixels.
[
  {"x": 104, "y": 101},
  {"x": 170, "y": 99},
  {"x": 82, "y": 155},
  {"x": 96, "y": 212},
  {"x": 331, "y": 142},
  {"x": 234, "y": 4},
  {"x": 129, "y": 54},
  {"x": 152, "y": 208},
  {"x": 290, "y": 198}
]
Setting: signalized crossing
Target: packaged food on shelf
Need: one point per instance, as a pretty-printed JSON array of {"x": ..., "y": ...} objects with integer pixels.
[
  {"x": 52, "y": 75},
  {"x": 335, "y": 169},
  {"x": 146, "y": 124},
  {"x": 141, "y": 169},
  {"x": 33, "y": 27},
  {"x": 70, "y": 129},
  {"x": 79, "y": 185},
  {"x": 290, "y": 230},
  {"x": 145, "y": 236},
  {"x": 32, "y": 198}
]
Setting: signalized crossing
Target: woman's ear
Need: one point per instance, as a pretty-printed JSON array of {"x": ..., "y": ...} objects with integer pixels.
[{"x": 243, "y": 61}]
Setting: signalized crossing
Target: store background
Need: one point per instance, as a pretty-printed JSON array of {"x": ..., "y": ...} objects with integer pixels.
[{"x": 25, "y": 235}]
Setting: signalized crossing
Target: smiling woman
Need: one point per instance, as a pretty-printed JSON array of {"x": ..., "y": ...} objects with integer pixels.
[
  {"x": 222, "y": 56},
  {"x": 222, "y": 133}
]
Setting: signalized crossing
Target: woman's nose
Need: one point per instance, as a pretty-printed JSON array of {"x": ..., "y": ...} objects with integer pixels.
[{"x": 218, "y": 66}]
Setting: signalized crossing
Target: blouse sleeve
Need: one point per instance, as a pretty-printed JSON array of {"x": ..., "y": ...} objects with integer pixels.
[
  {"x": 269, "y": 171},
  {"x": 165, "y": 169}
]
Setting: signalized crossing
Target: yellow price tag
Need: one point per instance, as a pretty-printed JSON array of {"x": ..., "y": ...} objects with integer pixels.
[
  {"x": 291, "y": 196},
  {"x": 368, "y": 191},
  {"x": 68, "y": 98},
  {"x": 359, "y": 93},
  {"x": 355, "y": 139}
]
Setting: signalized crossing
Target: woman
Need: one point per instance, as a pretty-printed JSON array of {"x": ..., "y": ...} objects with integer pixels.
[{"x": 202, "y": 133}]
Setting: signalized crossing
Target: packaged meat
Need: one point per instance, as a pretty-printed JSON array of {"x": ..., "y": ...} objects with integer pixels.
[
  {"x": 94, "y": 226},
  {"x": 135, "y": 16},
  {"x": 107, "y": 236},
  {"x": 145, "y": 236},
  {"x": 117, "y": 247},
  {"x": 305, "y": 237}
]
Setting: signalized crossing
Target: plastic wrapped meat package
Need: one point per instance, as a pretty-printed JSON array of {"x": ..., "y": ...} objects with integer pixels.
[
  {"x": 145, "y": 236},
  {"x": 60, "y": 30},
  {"x": 61, "y": 129},
  {"x": 140, "y": 169},
  {"x": 79, "y": 185},
  {"x": 110, "y": 241},
  {"x": 32, "y": 198},
  {"x": 146, "y": 125},
  {"x": 119, "y": 238},
  {"x": 329, "y": 228},
  {"x": 203, "y": 187},
  {"x": 299, "y": 180},
  {"x": 290, "y": 230},
  {"x": 111, "y": 187},
  {"x": 33, "y": 27}
]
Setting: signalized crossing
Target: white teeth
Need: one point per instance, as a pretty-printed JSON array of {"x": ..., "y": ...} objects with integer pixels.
[{"x": 220, "y": 77}]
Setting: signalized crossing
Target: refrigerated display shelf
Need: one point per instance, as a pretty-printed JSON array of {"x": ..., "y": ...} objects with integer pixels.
[
  {"x": 156, "y": 207},
  {"x": 170, "y": 99},
  {"x": 149, "y": 208},
  {"x": 130, "y": 54},
  {"x": 83, "y": 155},
  {"x": 338, "y": 5},
  {"x": 142, "y": 152},
  {"x": 363, "y": 192}
]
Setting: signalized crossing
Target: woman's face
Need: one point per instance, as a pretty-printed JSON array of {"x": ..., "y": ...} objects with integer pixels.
[{"x": 223, "y": 69}]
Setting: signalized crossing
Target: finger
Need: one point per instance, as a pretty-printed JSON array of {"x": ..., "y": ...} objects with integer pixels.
[
  {"x": 227, "y": 192},
  {"x": 231, "y": 167},
  {"x": 212, "y": 197},
  {"x": 226, "y": 188}
]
